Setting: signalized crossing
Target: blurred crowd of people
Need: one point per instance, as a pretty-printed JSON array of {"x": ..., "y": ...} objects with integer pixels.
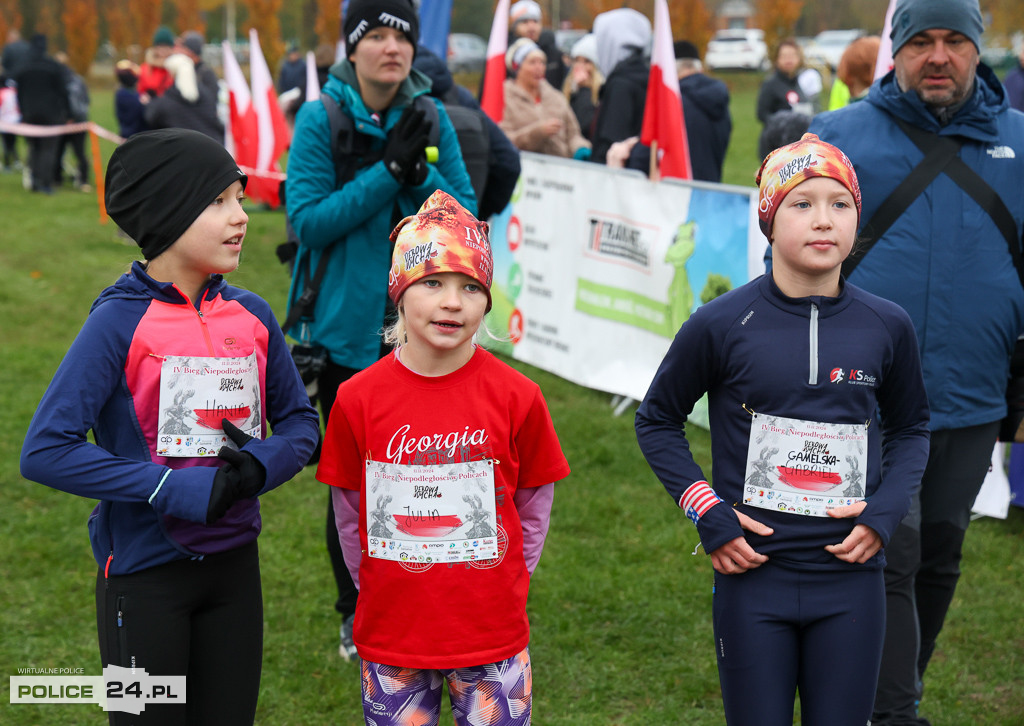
[{"x": 172, "y": 88}]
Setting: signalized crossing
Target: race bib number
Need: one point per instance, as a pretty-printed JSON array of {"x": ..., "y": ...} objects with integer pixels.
[
  {"x": 196, "y": 393},
  {"x": 804, "y": 467},
  {"x": 431, "y": 513}
]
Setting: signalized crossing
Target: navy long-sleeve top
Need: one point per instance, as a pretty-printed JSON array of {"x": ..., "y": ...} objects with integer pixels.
[{"x": 755, "y": 348}]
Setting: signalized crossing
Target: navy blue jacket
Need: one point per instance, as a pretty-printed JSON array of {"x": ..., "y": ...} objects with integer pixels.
[
  {"x": 944, "y": 261},
  {"x": 752, "y": 348},
  {"x": 152, "y": 508}
]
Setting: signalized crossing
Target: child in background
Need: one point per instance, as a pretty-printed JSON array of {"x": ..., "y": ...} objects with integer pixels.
[
  {"x": 444, "y": 461},
  {"x": 178, "y": 375},
  {"x": 127, "y": 105},
  {"x": 819, "y": 384}
]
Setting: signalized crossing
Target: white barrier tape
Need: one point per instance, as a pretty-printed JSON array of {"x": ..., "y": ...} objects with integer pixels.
[
  {"x": 104, "y": 134},
  {"x": 37, "y": 131}
]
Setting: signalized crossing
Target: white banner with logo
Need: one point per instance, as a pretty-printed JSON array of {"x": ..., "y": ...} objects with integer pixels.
[{"x": 596, "y": 269}]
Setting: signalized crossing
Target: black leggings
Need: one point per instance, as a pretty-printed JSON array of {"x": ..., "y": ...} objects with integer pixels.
[{"x": 199, "y": 618}]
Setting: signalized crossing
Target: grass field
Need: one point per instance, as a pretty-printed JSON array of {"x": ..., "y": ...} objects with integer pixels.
[{"x": 620, "y": 610}]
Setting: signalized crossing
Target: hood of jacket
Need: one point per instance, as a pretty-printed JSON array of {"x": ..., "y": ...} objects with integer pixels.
[
  {"x": 435, "y": 69},
  {"x": 620, "y": 34},
  {"x": 707, "y": 94},
  {"x": 975, "y": 120}
]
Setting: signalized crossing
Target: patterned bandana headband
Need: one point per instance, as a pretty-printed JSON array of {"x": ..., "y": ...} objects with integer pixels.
[
  {"x": 788, "y": 166},
  {"x": 441, "y": 237}
]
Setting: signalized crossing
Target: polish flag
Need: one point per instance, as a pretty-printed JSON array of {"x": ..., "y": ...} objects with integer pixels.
[
  {"x": 883, "y": 63},
  {"x": 492, "y": 99},
  {"x": 663, "y": 127},
  {"x": 312, "y": 79},
  {"x": 272, "y": 131},
  {"x": 240, "y": 134}
]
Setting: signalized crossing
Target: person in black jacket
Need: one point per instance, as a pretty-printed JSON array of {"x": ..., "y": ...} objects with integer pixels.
[
  {"x": 623, "y": 37},
  {"x": 187, "y": 104},
  {"x": 706, "y": 115},
  {"x": 191, "y": 44},
  {"x": 503, "y": 162},
  {"x": 293, "y": 71},
  {"x": 781, "y": 90},
  {"x": 705, "y": 112},
  {"x": 78, "y": 102},
  {"x": 43, "y": 99}
]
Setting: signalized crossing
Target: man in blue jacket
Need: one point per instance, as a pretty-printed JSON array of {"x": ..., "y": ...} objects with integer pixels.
[
  {"x": 346, "y": 208},
  {"x": 946, "y": 262}
]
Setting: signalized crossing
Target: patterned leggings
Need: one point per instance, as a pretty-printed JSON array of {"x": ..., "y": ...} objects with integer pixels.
[{"x": 496, "y": 694}]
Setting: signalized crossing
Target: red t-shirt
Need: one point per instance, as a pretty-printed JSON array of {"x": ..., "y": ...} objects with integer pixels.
[{"x": 443, "y": 615}]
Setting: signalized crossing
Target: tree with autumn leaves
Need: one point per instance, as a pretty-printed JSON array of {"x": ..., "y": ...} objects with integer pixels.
[
  {"x": 263, "y": 17},
  {"x": 81, "y": 33},
  {"x": 777, "y": 18}
]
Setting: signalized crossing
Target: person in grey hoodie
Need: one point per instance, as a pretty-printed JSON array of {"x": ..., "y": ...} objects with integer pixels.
[
  {"x": 623, "y": 43},
  {"x": 705, "y": 113}
]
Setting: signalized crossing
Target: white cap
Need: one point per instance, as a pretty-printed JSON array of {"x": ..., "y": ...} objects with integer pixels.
[{"x": 585, "y": 47}]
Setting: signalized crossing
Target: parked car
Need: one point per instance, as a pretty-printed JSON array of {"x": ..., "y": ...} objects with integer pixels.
[
  {"x": 827, "y": 46},
  {"x": 467, "y": 53},
  {"x": 738, "y": 48}
]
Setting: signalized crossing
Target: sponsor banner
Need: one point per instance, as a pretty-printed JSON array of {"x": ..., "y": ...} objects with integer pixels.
[{"x": 596, "y": 269}]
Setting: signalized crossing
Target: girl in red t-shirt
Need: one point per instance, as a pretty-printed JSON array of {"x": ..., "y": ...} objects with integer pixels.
[{"x": 443, "y": 460}]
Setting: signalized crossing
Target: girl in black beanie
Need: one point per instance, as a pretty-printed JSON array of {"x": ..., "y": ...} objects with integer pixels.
[{"x": 177, "y": 375}]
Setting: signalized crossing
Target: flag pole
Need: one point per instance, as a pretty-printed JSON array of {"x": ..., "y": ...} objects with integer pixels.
[{"x": 654, "y": 175}]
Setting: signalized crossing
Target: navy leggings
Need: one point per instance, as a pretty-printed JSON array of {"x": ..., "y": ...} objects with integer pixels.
[
  {"x": 778, "y": 631},
  {"x": 202, "y": 619}
]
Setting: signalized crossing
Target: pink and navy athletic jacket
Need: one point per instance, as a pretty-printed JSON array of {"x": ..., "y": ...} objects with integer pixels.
[{"x": 152, "y": 509}]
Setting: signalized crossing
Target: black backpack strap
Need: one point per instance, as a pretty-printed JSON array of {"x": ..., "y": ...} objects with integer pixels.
[
  {"x": 303, "y": 307},
  {"x": 427, "y": 105},
  {"x": 940, "y": 152},
  {"x": 940, "y": 156},
  {"x": 341, "y": 139},
  {"x": 988, "y": 199}
]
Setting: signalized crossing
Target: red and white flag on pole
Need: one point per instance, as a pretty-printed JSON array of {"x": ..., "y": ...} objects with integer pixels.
[
  {"x": 240, "y": 134},
  {"x": 883, "y": 63},
  {"x": 663, "y": 127},
  {"x": 492, "y": 99},
  {"x": 273, "y": 135},
  {"x": 312, "y": 79}
]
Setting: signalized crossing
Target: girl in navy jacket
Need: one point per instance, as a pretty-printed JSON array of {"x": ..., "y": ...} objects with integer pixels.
[{"x": 819, "y": 426}]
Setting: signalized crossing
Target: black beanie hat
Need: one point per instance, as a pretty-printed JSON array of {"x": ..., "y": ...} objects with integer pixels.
[
  {"x": 364, "y": 15},
  {"x": 159, "y": 182}
]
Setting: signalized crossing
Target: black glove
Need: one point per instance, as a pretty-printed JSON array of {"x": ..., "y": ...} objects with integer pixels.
[
  {"x": 252, "y": 477},
  {"x": 224, "y": 492},
  {"x": 407, "y": 143},
  {"x": 417, "y": 173}
]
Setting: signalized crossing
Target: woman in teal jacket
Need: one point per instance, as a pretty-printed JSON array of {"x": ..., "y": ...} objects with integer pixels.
[{"x": 352, "y": 223}]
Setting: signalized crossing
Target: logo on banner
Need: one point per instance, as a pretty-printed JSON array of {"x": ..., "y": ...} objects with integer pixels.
[
  {"x": 515, "y": 326},
  {"x": 620, "y": 240},
  {"x": 514, "y": 233}
]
